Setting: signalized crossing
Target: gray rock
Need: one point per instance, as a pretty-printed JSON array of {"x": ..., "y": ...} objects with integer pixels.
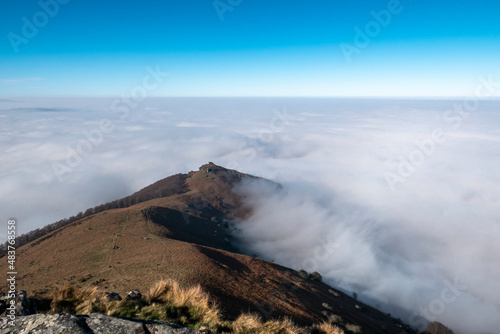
[
  {"x": 113, "y": 296},
  {"x": 45, "y": 324},
  {"x": 23, "y": 305},
  {"x": 100, "y": 323},
  {"x": 95, "y": 323},
  {"x": 133, "y": 295},
  {"x": 159, "y": 329}
]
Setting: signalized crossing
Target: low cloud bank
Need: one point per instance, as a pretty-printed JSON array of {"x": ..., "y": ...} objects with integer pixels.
[
  {"x": 396, "y": 200},
  {"x": 415, "y": 269}
]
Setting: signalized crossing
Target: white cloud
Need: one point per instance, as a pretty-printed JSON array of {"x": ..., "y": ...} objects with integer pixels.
[
  {"x": 391, "y": 247},
  {"x": 195, "y": 125}
]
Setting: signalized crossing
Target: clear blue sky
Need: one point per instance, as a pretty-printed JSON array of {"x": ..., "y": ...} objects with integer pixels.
[{"x": 260, "y": 48}]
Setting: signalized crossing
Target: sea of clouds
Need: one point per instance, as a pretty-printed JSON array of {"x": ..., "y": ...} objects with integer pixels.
[{"x": 396, "y": 200}]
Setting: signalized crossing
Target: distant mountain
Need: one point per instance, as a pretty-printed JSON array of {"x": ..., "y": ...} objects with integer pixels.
[{"x": 179, "y": 228}]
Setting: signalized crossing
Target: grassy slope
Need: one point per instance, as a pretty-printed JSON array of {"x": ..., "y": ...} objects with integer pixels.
[{"x": 83, "y": 254}]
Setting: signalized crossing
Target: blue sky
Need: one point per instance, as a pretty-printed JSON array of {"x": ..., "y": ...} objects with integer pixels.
[{"x": 259, "y": 48}]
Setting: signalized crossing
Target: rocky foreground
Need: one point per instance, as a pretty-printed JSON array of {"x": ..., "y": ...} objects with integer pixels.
[{"x": 94, "y": 323}]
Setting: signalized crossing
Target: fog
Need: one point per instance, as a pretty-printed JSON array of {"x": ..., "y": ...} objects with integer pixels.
[{"x": 396, "y": 200}]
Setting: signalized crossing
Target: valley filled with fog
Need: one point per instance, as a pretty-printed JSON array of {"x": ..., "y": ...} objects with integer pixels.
[{"x": 395, "y": 200}]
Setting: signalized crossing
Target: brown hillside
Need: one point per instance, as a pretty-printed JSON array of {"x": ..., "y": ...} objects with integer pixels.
[{"x": 183, "y": 236}]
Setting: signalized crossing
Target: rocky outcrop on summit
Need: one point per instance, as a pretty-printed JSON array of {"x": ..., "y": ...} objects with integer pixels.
[
  {"x": 437, "y": 328},
  {"x": 94, "y": 323}
]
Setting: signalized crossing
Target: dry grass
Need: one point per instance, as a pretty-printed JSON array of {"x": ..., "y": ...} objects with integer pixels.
[
  {"x": 252, "y": 324},
  {"x": 77, "y": 301},
  {"x": 328, "y": 328},
  {"x": 167, "y": 300},
  {"x": 282, "y": 326},
  {"x": 246, "y": 323},
  {"x": 194, "y": 300},
  {"x": 335, "y": 319},
  {"x": 157, "y": 290},
  {"x": 353, "y": 328}
]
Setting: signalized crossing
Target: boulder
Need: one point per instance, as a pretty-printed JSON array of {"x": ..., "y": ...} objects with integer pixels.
[
  {"x": 112, "y": 297},
  {"x": 133, "y": 295},
  {"x": 94, "y": 323},
  {"x": 45, "y": 324},
  {"x": 100, "y": 323}
]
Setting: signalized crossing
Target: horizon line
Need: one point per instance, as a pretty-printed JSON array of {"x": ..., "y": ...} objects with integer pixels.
[{"x": 15, "y": 98}]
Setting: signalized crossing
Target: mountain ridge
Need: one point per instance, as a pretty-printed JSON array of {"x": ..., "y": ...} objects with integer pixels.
[
  {"x": 185, "y": 236},
  {"x": 166, "y": 187}
]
